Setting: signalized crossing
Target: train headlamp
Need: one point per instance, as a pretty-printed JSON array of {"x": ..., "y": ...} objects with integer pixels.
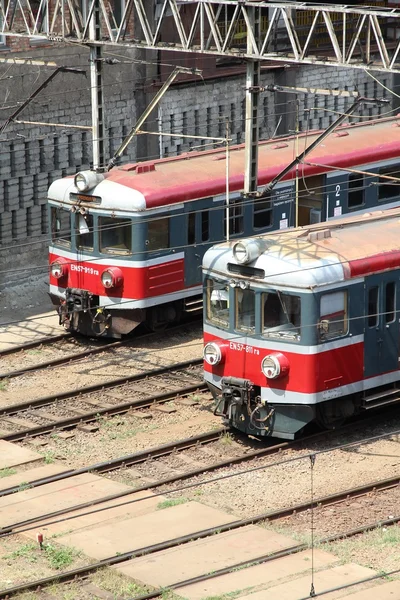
[
  {"x": 212, "y": 354},
  {"x": 85, "y": 180},
  {"x": 275, "y": 365},
  {"x": 112, "y": 278},
  {"x": 246, "y": 251},
  {"x": 58, "y": 268}
]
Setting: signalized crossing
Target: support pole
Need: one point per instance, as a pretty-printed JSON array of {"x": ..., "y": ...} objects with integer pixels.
[
  {"x": 253, "y": 72},
  {"x": 96, "y": 86}
]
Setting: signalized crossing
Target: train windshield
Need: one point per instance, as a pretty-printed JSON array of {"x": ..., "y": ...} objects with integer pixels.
[
  {"x": 218, "y": 302},
  {"x": 84, "y": 231},
  {"x": 61, "y": 226},
  {"x": 281, "y": 315},
  {"x": 115, "y": 235},
  {"x": 245, "y": 310}
]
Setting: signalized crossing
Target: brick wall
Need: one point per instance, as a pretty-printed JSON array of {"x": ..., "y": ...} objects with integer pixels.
[{"x": 31, "y": 157}]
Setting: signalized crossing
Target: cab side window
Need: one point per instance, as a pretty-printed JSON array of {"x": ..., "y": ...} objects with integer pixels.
[
  {"x": 158, "y": 234},
  {"x": 333, "y": 315}
]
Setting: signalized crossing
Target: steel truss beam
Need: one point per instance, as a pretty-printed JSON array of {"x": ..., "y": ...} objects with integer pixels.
[{"x": 340, "y": 36}]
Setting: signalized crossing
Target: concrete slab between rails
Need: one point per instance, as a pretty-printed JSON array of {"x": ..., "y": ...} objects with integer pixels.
[
  {"x": 32, "y": 503},
  {"x": 30, "y": 475},
  {"x": 381, "y": 591},
  {"x": 139, "y": 504},
  {"x": 31, "y": 329},
  {"x": 262, "y": 574},
  {"x": 323, "y": 580},
  {"x": 204, "y": 556},
  {"x": 138, "y": 532},
  {"x": 12, "y": 455}
]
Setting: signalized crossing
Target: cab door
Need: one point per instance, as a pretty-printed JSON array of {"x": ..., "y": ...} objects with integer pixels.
[
  {"x": 198, "y": 224},
  {"x": 381, "y": 329}
]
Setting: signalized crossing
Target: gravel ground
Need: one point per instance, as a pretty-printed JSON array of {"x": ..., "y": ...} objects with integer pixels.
[
  {"x": 129, "y": 433},
  {"x": 283, "y": 484},
  {"x": 46, "y": 352},
  {"x": 179, "y": 346}
]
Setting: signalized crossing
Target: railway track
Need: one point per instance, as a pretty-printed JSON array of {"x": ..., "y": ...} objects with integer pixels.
[
  {"x": 234, "y": 525},
  {"x": 100, "y": 346},
  {"x": 165, "y": 450},
  {"x": 85, "y": 405}
]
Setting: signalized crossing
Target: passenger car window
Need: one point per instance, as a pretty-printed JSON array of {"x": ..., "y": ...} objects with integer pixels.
[
  {"x": 235, "y": 217},
  {"x": 61, "y": 226},
  {"x": 386, "y": 187},
  {"x": 262, "y": 215},
  {"x": 373, "y": 300},
  {"x": 333, "y": 315},
  {"x": 390, "y": 302},
  {"x": 115, "y": 235},
  {"x": 356, "y": 190}
]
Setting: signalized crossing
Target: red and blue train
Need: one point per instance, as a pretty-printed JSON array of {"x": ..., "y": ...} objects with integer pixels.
[
  {"x": 303, "y": 326},
  {"x": 127, "y": 245}
]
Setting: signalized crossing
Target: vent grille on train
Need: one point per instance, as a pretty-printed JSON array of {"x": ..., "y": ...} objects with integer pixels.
[{"x": 245, "y": 271}]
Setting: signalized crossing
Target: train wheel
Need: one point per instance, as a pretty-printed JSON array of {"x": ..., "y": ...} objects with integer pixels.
[
  {"x": 159, "y": 317},
  {"x": 329, "y": 418}
]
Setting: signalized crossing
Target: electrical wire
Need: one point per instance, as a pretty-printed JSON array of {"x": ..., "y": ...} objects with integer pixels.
[{"x": 211, "y": 480}]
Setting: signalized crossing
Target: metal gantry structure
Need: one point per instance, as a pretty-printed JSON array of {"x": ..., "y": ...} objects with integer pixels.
[{"x": 352, "y": 36}]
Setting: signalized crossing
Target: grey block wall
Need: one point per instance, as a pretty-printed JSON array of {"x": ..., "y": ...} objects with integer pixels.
[{"x": 31, "y": 157}]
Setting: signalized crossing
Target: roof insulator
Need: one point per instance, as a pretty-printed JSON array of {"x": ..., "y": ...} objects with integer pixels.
[{"x": 315, "y": 236}]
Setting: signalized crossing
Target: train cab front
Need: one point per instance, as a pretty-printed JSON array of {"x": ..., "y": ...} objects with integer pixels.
[
  {"x": 250, "y": 364},
  {"x": 88, "y": 259}
]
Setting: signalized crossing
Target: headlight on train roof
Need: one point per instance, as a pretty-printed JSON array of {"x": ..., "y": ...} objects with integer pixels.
[
  {"x": 212, "y": 354},
  {"x": 59, "y": 268},
  {"x": 85, "y": 180},
  {"x": 275, "y": 365},
  {"x": 246, "y": 251},
  {"x": 112, "y": 278}
]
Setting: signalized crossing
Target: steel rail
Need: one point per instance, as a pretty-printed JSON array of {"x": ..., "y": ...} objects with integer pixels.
[
  {"x": 123, "y": 461},
  {"x": 34, "y": 344},
  {"x": 81, "y": 392},
  {"x": 164, "y": 450},
  {"x": 271, "y": 450},
  {"x": 73, "y": 357},
  {"x": 91, "y": 416},
  {"x": 86, "y": 570},
  {"x": 62, "y": 360}
]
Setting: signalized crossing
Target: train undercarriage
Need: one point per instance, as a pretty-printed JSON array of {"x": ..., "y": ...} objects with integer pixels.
[
  {"x": 239, "y": 403},
  {"x": 80, "y": 312}
]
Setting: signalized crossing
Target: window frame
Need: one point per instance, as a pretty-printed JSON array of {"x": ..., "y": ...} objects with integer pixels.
[
  {"x": 289, "y": 335},
  {"x": 53, "y": 217},
  {"x": 324, "y": 335},
  {"x": 116, "y": 221},
  {"x": 242, "y": 327},
  {"x": 393, "y": 171},
  {"x": 352, "y": 189},
  {"x": 78, "y": 234},
  {"x": 164, "y": 246},
  {"x": 210, "y": 285},
  {"x": 236, "y": 215},
  {"x": 269, "y": 211}
]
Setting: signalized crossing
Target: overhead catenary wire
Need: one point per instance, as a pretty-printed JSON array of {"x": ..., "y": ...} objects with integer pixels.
[
  {"x": 217, "y": 479},
  {"x": 150, "y": 219}
]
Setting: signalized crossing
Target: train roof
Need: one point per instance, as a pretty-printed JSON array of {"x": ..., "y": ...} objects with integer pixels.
[
  {"x": 161, "y": 182},
  {"x": 313, "y": 256}
]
